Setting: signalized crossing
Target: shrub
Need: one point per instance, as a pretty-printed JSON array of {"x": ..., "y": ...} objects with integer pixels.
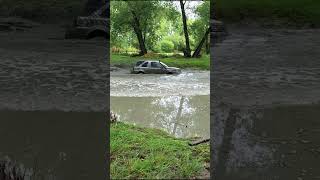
[{"x": 167, "y": 46}]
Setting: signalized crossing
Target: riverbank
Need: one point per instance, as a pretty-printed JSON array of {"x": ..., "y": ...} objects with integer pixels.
[
  {"x": 124, "y": 61},
  {"x": 150, "y": 153},
  {"x": 284, "y": 13}
]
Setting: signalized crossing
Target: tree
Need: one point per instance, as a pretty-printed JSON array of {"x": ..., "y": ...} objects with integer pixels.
[
  {"x": 198, "y": 49},
  {"x": 137, "y": 29},
  {"x": 137, "y": 16},
  {"x": 187, "y": 51},
  {"x": 201, "y": 27}
]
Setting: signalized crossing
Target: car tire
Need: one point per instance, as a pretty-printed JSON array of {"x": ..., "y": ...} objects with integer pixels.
[{"x": 140, "y": 72}]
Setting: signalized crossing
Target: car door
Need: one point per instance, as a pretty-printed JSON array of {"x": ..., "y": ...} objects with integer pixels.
[
  {"x": 145, "y": 67},
  {"x": 155, "y": 67}
]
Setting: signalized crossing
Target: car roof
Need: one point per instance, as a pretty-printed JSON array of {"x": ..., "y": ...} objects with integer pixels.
[{"x": 150, "y": 60}]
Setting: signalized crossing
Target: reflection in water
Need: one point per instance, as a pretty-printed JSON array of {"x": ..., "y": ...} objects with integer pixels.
[
  {"x": 181, "y": 116},
  {"x": 267, "y": 143}
]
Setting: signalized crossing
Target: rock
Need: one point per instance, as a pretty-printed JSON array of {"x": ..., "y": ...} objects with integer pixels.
[{"x": 113, "y": 117}]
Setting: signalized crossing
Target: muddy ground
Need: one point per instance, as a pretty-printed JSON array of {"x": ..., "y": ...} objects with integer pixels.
[
  {"x": 265, "y": 104},
  {"x": 42, "y": 75},
  {"x": 40, "y": 70}
]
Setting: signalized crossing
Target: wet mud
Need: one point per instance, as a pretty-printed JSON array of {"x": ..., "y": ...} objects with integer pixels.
[
  {"x": 42, "y": 78},
  {"x": 40, "y": 70},
  {"x": 266, "y": 104}
]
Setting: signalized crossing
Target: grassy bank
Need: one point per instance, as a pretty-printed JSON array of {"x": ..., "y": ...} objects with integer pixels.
[
  {"x": 202, "y": 63},
  {"x": 281, "y": 12},
  {"x": 150, "y": 153}
]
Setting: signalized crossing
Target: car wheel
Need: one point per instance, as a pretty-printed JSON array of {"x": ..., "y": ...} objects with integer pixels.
[{"x": 140, "y": 72}]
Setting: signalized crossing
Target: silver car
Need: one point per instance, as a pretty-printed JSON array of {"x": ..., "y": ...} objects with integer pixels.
[
  {"x": 154, "y": 67},
  {"x": 87, "y": 27}
]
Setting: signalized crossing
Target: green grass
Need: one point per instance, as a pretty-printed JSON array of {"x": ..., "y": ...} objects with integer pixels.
[
  {"x": 285, "y": 12},
  {"x": 125, "y": 61},
  {"x": 151, "y": 153}
]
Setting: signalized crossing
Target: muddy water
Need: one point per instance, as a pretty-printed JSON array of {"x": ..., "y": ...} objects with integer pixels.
[
  {"x": 178, "y": 104},
  {"x": 188, "y": 83},
  {"x": 269, "y": 143},
  {"x": 53, "y": 145},
  {"x": 266, "y": 113},
  {"x": 181, "y": 116}
]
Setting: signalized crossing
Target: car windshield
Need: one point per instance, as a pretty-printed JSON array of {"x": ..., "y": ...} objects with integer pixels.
[
  {"x": 163, "y": 64},
  {"x": 145, "y": 64},
  {"x": 139, "y": 62}
]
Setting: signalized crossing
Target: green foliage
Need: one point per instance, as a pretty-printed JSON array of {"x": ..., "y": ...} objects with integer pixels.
[
  {"x": 200, "y": 25},
  {"x": 162, "y": 24},
  {"x": 166, "y": 46},
  {"x": 150, "y": 153},
  {"x": 122, "y": 20}
]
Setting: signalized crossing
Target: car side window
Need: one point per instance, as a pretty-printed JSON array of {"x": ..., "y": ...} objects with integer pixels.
[
  {"x": 155, "y": 65},
  {"x": 144, "y": 64}
]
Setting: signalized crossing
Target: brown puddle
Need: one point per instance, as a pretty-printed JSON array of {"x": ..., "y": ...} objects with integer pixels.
[
  {"x": 272, "y": 143},
  {"x": 54, "y": 145}
]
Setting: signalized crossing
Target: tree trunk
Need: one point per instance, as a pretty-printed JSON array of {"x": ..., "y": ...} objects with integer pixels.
[
  {"x": 187, "y": 51},
  {"x": 138, "y": 32},
  {"x": 199, "y": 47}
]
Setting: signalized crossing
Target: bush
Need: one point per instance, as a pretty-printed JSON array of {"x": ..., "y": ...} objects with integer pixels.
[{"x": 167, "y": 46}]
